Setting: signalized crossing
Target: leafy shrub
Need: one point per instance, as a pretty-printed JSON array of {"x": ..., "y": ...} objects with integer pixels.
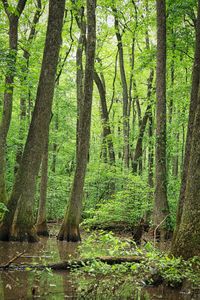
[{"x": 130, "y": 202}]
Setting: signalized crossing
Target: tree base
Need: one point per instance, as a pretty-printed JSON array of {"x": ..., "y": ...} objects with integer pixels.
[
  {"x": 69, "y": 233},
  {"x": 23, "y": 235},
  {"x": 4, "y": 232},
  {"x": 42, "y": 229}
]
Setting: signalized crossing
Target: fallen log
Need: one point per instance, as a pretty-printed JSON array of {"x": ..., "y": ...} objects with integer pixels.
[{"x": 74, "y": 264}]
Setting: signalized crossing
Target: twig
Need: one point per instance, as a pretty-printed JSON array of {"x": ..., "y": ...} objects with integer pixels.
[
  {"x": 155, "y": 230},
  {"x": 5, "y": 266}
]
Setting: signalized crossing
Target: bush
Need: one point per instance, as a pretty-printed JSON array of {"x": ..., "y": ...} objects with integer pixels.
[{"x": 130, "y": 202}]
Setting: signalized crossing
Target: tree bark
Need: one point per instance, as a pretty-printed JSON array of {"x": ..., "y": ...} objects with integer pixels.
[
  {"x": 20, "y": 226},
  {"x": 13, "y": 19},
  {"x": 187, "y": 241},
  {"x": 193, "y": 106},
  {"x": 41, "y": 224},
  {"x": 161, "y": 209},
  {"x": 70, "y": 227}
]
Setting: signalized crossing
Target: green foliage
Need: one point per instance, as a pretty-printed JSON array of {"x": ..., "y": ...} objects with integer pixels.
[
  {"x": 154, "y": 267},
  {"x": 3, "y": 209},
  {"x": 127, "y": 205},
  {"x": 101, "y": 243}
]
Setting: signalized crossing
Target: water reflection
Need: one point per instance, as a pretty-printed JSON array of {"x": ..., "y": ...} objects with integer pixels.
[{"x": 49, "y": 285}]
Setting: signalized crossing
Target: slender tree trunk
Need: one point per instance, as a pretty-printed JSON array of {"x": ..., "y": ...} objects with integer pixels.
[
  {"x": 13, "y": 19},
  {"x": 23, "y": 97},
  {"x": 41, "y": 224},
  {"x": 193, "y": 107},
  {"x": 161, "y": 208},
  {"x": 21, "y": 226},
  {"x": 70, "y": 227},
  {"x": 79, "y": 71},
  {"x": 138, "y": 150},
  {"x": 107, "y": 134},
  {"x": 150, "y": 151},
  {"x": 55, "y": 145},
  {"x": 126, "y": 153}
]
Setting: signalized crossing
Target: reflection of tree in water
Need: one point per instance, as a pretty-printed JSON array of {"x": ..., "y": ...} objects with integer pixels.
[
  {"x": 68, "y": 251},
  {"x": 14, "y": 283}
]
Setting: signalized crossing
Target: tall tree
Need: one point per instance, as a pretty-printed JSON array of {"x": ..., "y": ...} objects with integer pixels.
[
  {"x": 126, "y": 132},
  {"x": 138, "y": 149},
  {"x": 13, "y": 18},
  {"x": 187, "y": 238},
  {"x": 70, "y": 227},
  {"x": 24, "y": 94},
  {"x": 18, "y": 221},
  {"x": 107, "y": 134},
  {"x": 161, "y": 209},
  {"x": 193, "y": 107}
]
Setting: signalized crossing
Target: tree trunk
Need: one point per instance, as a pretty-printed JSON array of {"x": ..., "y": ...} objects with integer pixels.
[
  {"x": 193, "y": 106},
  {"x": 8, "y": 92},
  {"x": 187, "y": 241},
  {"x": 126, "y": 153},
  {"x": 138, "y": 149},
  {"x": 70, "y": 227},
  {"x": 79, "y": 71},
  {"x": 23, "y": 97},
  {"x": 20, "y": 226},
  {"x": 150, "y": 151},
  {"x": 41, "y": 224},
  {"x": 107, "y": 134},
  {"x": 161, "y": 209}
]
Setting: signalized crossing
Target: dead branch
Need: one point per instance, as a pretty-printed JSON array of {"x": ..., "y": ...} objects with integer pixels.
[{"x": 7, "y": 265}]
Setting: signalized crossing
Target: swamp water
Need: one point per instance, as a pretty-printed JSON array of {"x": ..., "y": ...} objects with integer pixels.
[{"x": 45, "y": 284}]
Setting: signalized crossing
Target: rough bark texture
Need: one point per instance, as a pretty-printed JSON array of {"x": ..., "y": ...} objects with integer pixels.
[
  {"x": 41, "y": 225},
  {"x": 70, "y": 228},
  {"x": 18, "y": 224},
  {"x": 13, "y": 19},
  {"x": 187, "y": 242},
  {"x": 193, "y": 106},
  {"x": 161, "y": 209}
]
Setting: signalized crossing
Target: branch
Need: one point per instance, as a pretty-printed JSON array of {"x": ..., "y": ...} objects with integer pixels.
[
  {"x": 7, "y": 265},
  {"x": 113, "y": 85},
  {"x": 6, "y": 7},
  {"x": 20, "y": 6}
]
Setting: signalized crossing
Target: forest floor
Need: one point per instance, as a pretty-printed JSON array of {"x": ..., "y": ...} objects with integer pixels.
[{"x": 47, "y": 284}]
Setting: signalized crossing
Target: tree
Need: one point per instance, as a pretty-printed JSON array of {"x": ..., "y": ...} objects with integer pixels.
[
  {"x": 193, "y": 106},
  {"x": 188, "y": 199},
  {"x": 18, "y": 221},
  {"x": 13, "y": 18},
  {"x": 70, "y": 227},
  {"x": 161, "y": 209},
  {"x": 24, "y": 95}
]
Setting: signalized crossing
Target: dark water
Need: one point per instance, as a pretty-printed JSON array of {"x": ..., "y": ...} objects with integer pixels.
[{"x": 37, "y": 284}]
